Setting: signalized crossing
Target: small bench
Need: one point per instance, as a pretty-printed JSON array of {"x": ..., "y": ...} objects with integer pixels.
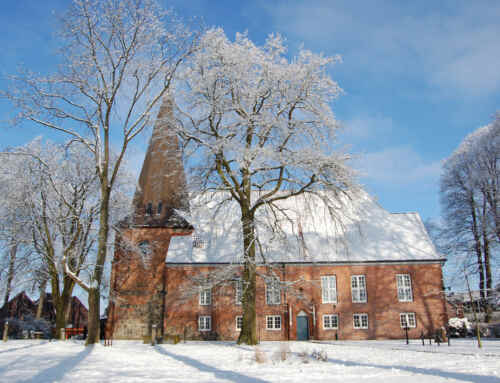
[
  {"x": 37, "y": 334},
  {"x": 70, "y": 331}
]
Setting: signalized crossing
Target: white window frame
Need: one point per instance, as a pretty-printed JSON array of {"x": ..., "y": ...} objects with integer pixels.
[
  {"x": 329, "y": 289},
  {"x": 205, "y": 297},
  {"x": 330, "y": 318},
  {"x": 240, "y": 318},
  {"x": 238, "y": 291},
  {"x": 404, "y": 318},
  {"x": 359, "y": 318},
  {"x": 405, "y": 291},
  {"x": 204, "y": 323},
  {"x": 273, "y": 292},
  {"x": 358, "y": 289},
  {"x": 272, "y": 320}
]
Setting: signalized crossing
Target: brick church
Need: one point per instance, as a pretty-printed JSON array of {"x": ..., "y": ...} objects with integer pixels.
[{"x": 177, "y": 265}]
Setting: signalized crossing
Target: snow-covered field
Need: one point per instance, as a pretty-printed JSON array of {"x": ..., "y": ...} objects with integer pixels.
[{"x": 127, "y": 361}]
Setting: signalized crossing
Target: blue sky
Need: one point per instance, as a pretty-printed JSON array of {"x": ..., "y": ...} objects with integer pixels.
[{"x": 417, "y": 76}]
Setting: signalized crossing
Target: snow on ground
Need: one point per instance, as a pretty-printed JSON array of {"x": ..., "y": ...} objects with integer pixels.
[{"x": 348, "y": 361}]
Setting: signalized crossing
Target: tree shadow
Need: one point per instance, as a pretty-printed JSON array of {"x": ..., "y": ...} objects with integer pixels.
[
  {"x": 23, "y": 347},
  {"x": 57, "y": 372},
  {"x": 221, "y": 374},
  {"x": 423, "y": 371}
]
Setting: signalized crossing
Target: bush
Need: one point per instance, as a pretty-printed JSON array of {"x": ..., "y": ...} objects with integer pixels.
[
  {"x": 21, "y": 328},
  {"x": 260, "y": 356},
  {"x": 320, "y": 355},
  {"x": 283, "y": 353}
]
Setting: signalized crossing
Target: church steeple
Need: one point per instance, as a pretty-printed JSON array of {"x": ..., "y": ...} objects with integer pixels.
[{"x": 162, "y": 184}]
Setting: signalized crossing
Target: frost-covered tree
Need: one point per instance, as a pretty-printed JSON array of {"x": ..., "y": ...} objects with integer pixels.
[
  {"x": 60, "y": 204},
  {"x": 259, "y": 128},
  {"x": 117, "y": 61},
  {"x": 14, "y": 227},
  {"x": 469, "y": 198}
]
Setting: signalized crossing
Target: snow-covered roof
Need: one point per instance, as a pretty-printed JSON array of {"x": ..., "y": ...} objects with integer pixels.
[{"x": 356, "y": 230}]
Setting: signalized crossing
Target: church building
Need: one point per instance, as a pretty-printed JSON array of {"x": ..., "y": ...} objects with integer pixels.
[{"x": 177, "y": 264}]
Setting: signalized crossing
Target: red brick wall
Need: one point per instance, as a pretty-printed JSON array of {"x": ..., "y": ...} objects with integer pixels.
[
  {"x": 137, "y": 282},
  {"x": 304, "y": 292}
]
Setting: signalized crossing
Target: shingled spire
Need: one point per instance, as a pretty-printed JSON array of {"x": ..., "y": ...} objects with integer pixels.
[{"x": 162, "y": 184}]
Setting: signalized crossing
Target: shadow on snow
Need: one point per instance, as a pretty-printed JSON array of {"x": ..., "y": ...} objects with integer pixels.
[
  {"x": 20, "y": 348},
  {"x": 221, "y": 374},
  {"x": 423, "y": 371},
  {"x": 57, "y": 372}
]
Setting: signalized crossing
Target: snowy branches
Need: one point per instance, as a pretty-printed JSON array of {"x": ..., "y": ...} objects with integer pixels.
[
  {"x": 470, "y": 198},
  {"x": 256, "y": 121},
  {"x": 118, "y": 59},
  {"x": 259, "y": 128}
]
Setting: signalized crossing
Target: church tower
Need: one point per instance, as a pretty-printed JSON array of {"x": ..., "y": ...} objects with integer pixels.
[{"x": 138, "y": 276}]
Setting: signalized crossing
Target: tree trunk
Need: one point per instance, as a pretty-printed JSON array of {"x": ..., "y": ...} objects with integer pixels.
[
  {"x": 248, "y": 332},
  {"x": 41, "y": 300},
  {"x": 10, "y": 275},
  {"x": 62, "y": 304},
  {"x": 94, "y": 325},
  {"x": 477, "y": 247},
  {"x": 487, "y": 266},
  {"x": 93, "y": 322}
]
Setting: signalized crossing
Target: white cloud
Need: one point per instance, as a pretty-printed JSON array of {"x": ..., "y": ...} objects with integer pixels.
[
  {"x": 398, "y": 166},
  {"x": 453, "y": 47},
  {"x": 364, "y": 127}
]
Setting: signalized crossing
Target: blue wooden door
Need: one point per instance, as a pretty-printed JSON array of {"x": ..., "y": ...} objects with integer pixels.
[{"x": 302, "y": 328}]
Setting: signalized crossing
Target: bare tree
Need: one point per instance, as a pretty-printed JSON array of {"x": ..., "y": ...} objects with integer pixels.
[
  {"x": 469, "y": 196},
  {"x": 60, "y": 201},
  {"x": 14, "y": 226},
  {"x": 61, "y": 205},
  {"x": 118, "y": 59},
  {"x": 259, "y": 129}
]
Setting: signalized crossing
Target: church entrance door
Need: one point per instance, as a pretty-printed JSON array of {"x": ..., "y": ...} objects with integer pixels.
[{"x": 302, "y": 327}]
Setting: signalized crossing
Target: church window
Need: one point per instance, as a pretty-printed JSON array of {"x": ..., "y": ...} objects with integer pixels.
[
  {"x": 145, "y": 248},
  {"x": 204, "y": 323},
  {"x": 238, "y": 290},
  {"x": 404, "y": 288},
  {"x": 329, "y": 289},
  {"x": 407, "y": 320},
  {"x": 273, "y": 292},
  {"x": 330, "y": 322},
  {"x": 273, "y": 322},
  {"x": 149, "y": 208},
  {"x": 239, "y": 322},
  {"x": 205, "y": 297},
  {"x": 358, "y": 288},
  {"x": 360, "y": 321},
  {"x": 198, "y": 242}
]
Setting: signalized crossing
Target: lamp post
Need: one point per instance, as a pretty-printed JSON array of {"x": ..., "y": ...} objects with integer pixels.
[{"x": 406, "y": 334}]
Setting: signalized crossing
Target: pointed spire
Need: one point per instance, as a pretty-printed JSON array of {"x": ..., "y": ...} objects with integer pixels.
[{"x": 162, "y": 183}]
